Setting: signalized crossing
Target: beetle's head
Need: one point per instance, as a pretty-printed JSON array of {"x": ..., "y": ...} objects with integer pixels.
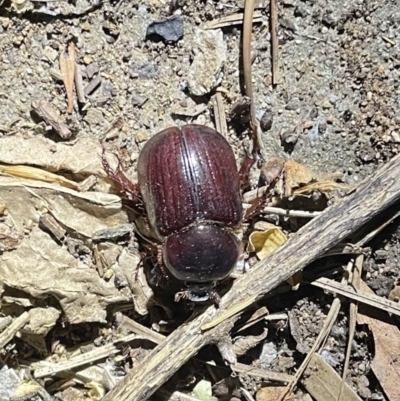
[
  {"x": 200, "y": 256},
  {"x": 199, "y": 292}
]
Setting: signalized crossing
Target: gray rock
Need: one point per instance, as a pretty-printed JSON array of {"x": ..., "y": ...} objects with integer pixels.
[
  {"x": 170, "y": 30},
  {"x": 205, "y": 73}
]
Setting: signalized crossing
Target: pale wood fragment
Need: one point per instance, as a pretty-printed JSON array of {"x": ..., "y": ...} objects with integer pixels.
[{"x": 9, "y": 332}]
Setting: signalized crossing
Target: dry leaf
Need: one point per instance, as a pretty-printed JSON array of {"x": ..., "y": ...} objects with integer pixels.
[
  {"x": 270, "y": 393},
  {"x": 67, "y": 67},
  {"x": 142, "y": 293},
  {"x": 298, "y": 176},
  {"x": 203, "y": 391},
  {"x": 272, "y": 169},
  {"x": 243, "y": 344},
  {"x": 41, "y": 268},
  {"x": 36, "y": 341},
  {"x": 9, "y": 237},
  {"x": 27, "y": 389},
  {"x": 32, "y": 173},
  {"x": 263, "y": 243},
  {"x": 41, "y": 320},
  {"x": 21, "y": 6},
  {"x": 96, "y": 392},
  {"x": 386, "y": 363},
  {"x": 322, "y": 186},
  {"x": 323, "y": 383},
  {"x": 82, "y": 156},
  {"x": 395, "y": 294},
  {"x": 71, "y": 394},
  {"x": 83, "y": 213}
]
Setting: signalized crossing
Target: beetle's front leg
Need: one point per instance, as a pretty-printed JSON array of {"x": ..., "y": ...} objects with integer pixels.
[
  {"x": 120, "y": 177},
  {"x": 215, "y": 298}
]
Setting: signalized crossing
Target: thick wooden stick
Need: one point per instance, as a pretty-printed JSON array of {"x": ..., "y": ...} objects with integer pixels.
[{"x": 318, "y": 236}]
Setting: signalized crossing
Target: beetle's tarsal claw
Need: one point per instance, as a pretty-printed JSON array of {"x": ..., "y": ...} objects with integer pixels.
[{"x": 181, "y": 295}]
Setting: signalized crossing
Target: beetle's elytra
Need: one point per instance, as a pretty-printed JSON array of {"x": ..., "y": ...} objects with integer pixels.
[{"x": 189, "y": 185}]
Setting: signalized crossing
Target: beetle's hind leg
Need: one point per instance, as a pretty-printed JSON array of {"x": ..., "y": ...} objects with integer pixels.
[
  {"x": 271, "y": 172},
  {"x": 244, "y": 172}
]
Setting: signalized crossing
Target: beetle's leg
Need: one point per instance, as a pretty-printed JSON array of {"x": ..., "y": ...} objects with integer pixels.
[
  {"x": 140, "y": 265},
  {"x": 214, "y": 296},
  {"x": 181, "y": 295},
  {"x": 160, "y": 262},
  {"x": 159, "y": 271},
  {"x": 244, "y": 172},
  {"x": 258, "y": 203},
  {"x": 119, "y": 176},
  {"x": 272, "y": 171}
]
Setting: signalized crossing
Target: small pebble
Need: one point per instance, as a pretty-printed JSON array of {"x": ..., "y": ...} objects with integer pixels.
[
  {"x": 266, "y": 120},
  {"x": 141, "y": 136},
  {"x": 326, "y": 104},
  {"x": 87, "y": 60}
]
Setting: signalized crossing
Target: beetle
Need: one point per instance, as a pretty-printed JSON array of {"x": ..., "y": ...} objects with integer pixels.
[{"x": 189, "y": 186}]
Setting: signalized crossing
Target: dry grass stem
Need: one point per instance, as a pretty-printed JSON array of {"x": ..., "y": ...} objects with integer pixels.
[
  {"x": 356, "y": 280},
  {"x": 357, "y": 295},
  {"x": 274, "y": 42},
  {"x": 231, "y": 20}
]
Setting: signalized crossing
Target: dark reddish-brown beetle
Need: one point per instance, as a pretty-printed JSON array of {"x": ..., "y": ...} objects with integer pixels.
[{"x": 189, "y": 186}]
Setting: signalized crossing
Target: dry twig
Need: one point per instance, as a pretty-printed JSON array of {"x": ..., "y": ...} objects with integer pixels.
[
  {"x": 369, "y": 299},
  {"x": 67, "y": 67},
  {"x": 79, "y": 84},
  {"x": 49, "y": 369},
  {"x": 219, "y": 113},
  {"x": 247, "y": 34},
  {"x": 51, "y": 116},
  {"x": 290, "y": 213},
  {"x": 274, "y": 42},
  {"x": 9, "y": 332},
  {"x": 356, "y": 280}
]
